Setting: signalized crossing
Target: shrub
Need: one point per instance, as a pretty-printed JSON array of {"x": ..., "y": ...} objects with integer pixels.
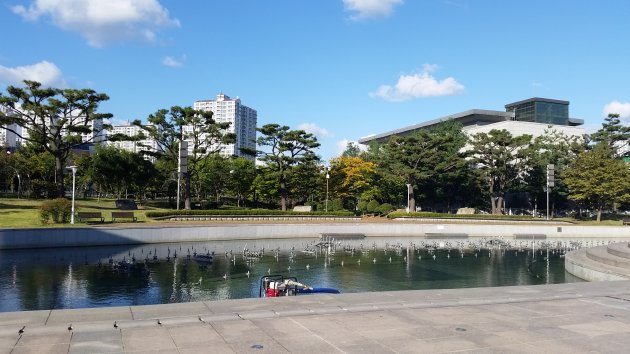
[
  {"x": 336, "y": 205},
  {"x": 58, "y": 209},
  {"x": 42, "y": 189},
  {"x": 372, "y": 207},
  {"x": 362, "y": 206},
  {"x": 385, "y": 208},
  {"x": 44, "y": 212}
]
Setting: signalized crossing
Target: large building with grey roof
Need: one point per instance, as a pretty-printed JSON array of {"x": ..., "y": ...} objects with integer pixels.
[{"x": 534, "y": 116}]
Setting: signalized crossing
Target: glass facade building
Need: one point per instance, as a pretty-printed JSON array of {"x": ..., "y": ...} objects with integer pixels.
[
  {"x": 533, "y": 116},
  {"x": 540, "y": 110}
]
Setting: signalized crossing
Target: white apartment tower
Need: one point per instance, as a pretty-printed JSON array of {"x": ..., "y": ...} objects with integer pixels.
[
  {"x": 8, "y": 139},
  {"x": 133, "y": 146},
  {"x": 242, "y": 121}
]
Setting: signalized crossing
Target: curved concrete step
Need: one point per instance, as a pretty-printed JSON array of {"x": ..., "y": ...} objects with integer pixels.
[
  {"x": 582, "y": 266},
  {"x": 601, "y": 254},
  {"x": 621, "y": 249}
]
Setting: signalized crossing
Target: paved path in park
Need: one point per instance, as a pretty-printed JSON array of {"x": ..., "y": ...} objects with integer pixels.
[{"x": 564, "y": 318}]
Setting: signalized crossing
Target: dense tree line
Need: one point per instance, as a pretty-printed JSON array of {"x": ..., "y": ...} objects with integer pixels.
[{"x": 436, "y": 169}]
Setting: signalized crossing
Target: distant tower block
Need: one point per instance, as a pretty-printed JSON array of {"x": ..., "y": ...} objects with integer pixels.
[{"x": 242, "y": 121}]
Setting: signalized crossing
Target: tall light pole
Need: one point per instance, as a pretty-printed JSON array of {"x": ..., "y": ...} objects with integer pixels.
[
  {"x": 408, "y": 193},
  {"x": 327, "y": 178},
  {"x": 74, "y": 175}
]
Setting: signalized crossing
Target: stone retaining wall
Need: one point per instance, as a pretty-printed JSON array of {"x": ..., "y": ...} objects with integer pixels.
[{"x": 144, "y": 234}]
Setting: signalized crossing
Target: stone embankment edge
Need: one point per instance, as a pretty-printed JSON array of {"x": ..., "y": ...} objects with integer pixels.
[
  {"x": 172, "y": 233},
  {"x": 591, "y": 268}
]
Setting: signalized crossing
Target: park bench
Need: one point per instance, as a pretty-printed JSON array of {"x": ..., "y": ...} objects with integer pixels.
[
  {"x": 82, "y": 215},
  {"x": 123, "y": 215},
  {"x": 625, "y": 221}
]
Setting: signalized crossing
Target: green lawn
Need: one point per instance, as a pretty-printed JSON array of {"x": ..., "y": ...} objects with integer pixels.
[
  {"x": 17, "y": 213},
  {"x": 22, "y": 213}
]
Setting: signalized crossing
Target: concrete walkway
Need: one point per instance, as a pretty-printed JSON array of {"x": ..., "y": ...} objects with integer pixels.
[{"x": 564, "y": 318}]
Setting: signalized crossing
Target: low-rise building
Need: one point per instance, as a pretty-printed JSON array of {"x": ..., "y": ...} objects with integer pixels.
[{"x": 535, "y": 116}]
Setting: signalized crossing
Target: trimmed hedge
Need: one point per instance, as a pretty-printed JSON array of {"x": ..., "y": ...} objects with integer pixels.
[
  {"x": 385, "y": 208},
  {"x": 422, "y": 214},
  {"x": 252, "y": 212}
]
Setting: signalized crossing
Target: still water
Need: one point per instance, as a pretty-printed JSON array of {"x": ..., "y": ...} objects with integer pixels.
[{"x": 167, "y": 273}]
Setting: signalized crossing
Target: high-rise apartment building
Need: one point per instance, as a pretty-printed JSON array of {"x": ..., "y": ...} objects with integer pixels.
[
  {"x": 133, "y": 146},
  {"x": 8, "y": 139},
  {"x": 242, "y": 121}
]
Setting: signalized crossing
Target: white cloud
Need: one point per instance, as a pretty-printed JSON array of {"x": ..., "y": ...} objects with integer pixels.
[
  {"x": 341, "y": 146},
  {"x": 102, "y": 21},
  {"x": 314, "y": 129},
  {"x": 419, "y": 85},
  {"x": 45, "y": 72},
  {"x": 623, "y": 109},
  {"x": 363, "y": 9},
  {"x": 172, "y": 62}
]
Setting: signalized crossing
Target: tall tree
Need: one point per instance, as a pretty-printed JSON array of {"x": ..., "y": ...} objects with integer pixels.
[
  {"x": 304, "y": 181},
  {"x": 351, "y": 177},
  {"x": 287, "y": 148},
  {"x": 614, "y": 134},
  {"x": 352, "y": 150},
  {"x": 501, "y": 160},
  {"x": 242, "y": 174},
  {"x": 214, "y": 176},
  {"x": 414, "y": 158},
  {"x": 553, "y": 147},
  {"x": 54, "y": 119},
  {"x": 207, "y": 137},
  {"x": 39, "y": 167},
  {"x": 387, "y": 184},
  {"x": 265, "y": 186},
  {"x": 597, "y": 179}
]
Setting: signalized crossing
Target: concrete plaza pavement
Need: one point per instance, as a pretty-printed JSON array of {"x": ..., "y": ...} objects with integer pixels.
[{"x": 564, "y": 318}]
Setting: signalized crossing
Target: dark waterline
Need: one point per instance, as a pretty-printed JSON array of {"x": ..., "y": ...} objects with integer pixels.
[{"x": 83, "y": 277}]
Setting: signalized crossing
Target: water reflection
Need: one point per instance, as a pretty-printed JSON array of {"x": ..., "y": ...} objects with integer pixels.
[{"x": 104, "y": 276}]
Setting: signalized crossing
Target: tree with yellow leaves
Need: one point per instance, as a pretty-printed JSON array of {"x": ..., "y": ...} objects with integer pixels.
[{"x": 352, "y": 178}]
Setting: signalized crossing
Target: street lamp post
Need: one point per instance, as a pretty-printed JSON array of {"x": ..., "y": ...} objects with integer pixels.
[
  {"x": 327, "y": 178},
  {"x": 74, "y": 175},
  {"x": 408, "y": 193}
]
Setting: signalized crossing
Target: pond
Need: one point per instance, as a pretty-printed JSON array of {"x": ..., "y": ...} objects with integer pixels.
[{"x": 166, "y": 273}]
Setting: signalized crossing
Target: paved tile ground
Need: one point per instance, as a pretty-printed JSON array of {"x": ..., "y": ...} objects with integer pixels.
[{"x": 564, "y": 318}]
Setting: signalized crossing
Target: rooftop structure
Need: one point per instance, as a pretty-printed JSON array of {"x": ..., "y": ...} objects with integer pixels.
[
  {"x": 543, "y": 110},
  {"x": 532, "y": 116}
]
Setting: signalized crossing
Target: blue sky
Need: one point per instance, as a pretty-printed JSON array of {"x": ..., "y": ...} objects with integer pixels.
[{"x": 343, "y": 69}]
